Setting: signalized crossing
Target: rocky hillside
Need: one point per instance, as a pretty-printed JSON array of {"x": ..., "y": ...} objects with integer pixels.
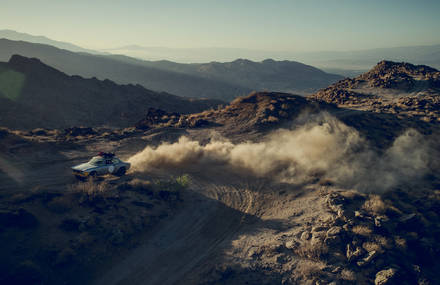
[
  {"x": 395, "y": 88},
  {"x": 255, "y": 112},
  {"x": 33, "y": 94}
]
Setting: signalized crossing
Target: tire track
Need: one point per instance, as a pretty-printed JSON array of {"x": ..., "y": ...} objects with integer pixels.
[{"x": 211, "y": 216}]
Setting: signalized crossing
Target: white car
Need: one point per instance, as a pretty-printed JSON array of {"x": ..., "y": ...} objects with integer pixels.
[{"x": 103, "y": 163}]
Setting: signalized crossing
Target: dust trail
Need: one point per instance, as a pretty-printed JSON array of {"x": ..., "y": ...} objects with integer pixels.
[{"x": 322, "y": 148}]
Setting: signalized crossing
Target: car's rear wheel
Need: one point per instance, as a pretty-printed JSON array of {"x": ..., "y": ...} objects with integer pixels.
[{"x": 121, "y": 171}]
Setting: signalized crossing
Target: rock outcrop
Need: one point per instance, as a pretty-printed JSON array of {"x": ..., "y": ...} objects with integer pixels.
[{"x": 396, "y": 88}]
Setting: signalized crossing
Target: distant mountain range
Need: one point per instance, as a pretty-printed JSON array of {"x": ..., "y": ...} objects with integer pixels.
[
  {"x": 339, "y": 61},
  {"x": 17, "y": 36},
  {"x": 223, "y": 81},
  {"x": 346, "y": 63},
  {"x": 286, "y": 76},
  {"x": 33, "y": 95}
]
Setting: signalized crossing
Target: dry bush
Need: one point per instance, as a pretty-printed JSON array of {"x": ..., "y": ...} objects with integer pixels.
[
  {"x": 91, "y": 191},
  {"x": 348, "y": 275},
  {"x": 400, "y": 243},
  {"x": 90, "y": 187},
  {"x": 383, "y": 241},
  {"x": 370, "y": 246},
  {"x": 308, "y": 269},
  {"x": 375, "y": 205},
  {"x": 175, "y": 184},
  {"x": 311, "y": 250},
  {"x": 362, "y": 230}
]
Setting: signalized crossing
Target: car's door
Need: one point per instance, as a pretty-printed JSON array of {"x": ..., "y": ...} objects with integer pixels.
[
  {"x": 116, "y": 163},
  {"x": 101, "y": 167},
  {"x": 110, "y": 167}
]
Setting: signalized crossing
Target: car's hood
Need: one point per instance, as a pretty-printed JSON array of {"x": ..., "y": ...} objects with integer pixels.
[{"x": 83, "y": 166}]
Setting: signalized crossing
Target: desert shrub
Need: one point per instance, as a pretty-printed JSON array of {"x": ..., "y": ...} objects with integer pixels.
[
  {"x": 92, "y": 191},
  {"x": 400, "y": 242},
  {"x": 370, "y": 246},
  {"x": 312, "y": 250},
  {"x": 362, "y": 230},
  {"x": 384, "y": 242},
  {"x": 90, "y": 187},
  {"x": 183, "y": 180},
  {"x": 348, "y": 275},
  {"x": 375, "y": 205},
  {"x": 308, "y": 269},
  {"x": 174, "y": 184}
]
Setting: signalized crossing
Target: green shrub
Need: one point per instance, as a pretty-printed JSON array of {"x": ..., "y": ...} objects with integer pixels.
[{"x": 183, "y": 180}]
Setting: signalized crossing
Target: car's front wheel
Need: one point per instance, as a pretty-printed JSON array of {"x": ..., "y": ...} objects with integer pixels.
[{"x": 121, "y": 171}]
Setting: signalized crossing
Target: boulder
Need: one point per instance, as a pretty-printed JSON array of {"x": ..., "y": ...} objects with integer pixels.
[
  {"x": 387, "y": 276},
  {"x": 305, "y": 235}
]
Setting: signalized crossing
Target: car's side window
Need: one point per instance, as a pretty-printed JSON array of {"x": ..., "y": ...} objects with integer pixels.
[
  {"x": 115, "y": 160},
  {"x": 108, "y": 161}
]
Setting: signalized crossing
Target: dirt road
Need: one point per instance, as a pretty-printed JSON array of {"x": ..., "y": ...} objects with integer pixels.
[{"x": 211, "y": 216}]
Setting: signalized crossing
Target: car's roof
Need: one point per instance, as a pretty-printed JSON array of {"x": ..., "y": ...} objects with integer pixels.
[{"x": 102, "y": 157}]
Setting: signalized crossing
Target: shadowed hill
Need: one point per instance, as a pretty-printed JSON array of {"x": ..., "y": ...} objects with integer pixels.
[
  {"x": 104, "y": 67},
  {"x": 36, "y": 95},
  {"x": 223, "y": 81}
]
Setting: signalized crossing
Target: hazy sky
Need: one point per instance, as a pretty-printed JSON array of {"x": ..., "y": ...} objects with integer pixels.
[{"x": 293, "y": 25}]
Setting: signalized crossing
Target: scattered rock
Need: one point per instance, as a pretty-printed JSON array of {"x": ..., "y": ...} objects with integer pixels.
[
  {"x": 386, "y": 276},
  {"x": 305, "y": 235},
  {"x": 371, "y": 255},
  {"x": 333, "y": 231},
  {"x": 291, "y": 244},
  {"x": 353, "y": 253},
  {"x": 318, "y": 228}
]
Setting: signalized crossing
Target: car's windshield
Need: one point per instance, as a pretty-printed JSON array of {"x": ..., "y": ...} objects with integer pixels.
[
  {"x": 115, "y": 160},
  {"x": 96, "y": 161}
]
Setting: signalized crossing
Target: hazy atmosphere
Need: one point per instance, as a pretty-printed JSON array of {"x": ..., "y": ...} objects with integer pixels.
[
  {"x": 296, "y": 25},
  {"x": 220, "y": 142}
]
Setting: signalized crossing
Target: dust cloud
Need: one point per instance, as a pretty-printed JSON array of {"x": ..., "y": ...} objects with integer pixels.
[{"x": 320, "y": 149}]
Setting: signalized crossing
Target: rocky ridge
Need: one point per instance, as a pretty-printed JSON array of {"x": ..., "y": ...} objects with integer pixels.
[{"x": 397, "y": 88}]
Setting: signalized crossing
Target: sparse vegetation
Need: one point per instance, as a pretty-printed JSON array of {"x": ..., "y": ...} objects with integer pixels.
[
  {"x": 86, "y": 220},
  {"x": 312, "y": 250}
]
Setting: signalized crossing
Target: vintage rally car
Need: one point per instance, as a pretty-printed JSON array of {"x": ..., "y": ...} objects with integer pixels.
[{"x": 103, "y": 163}]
